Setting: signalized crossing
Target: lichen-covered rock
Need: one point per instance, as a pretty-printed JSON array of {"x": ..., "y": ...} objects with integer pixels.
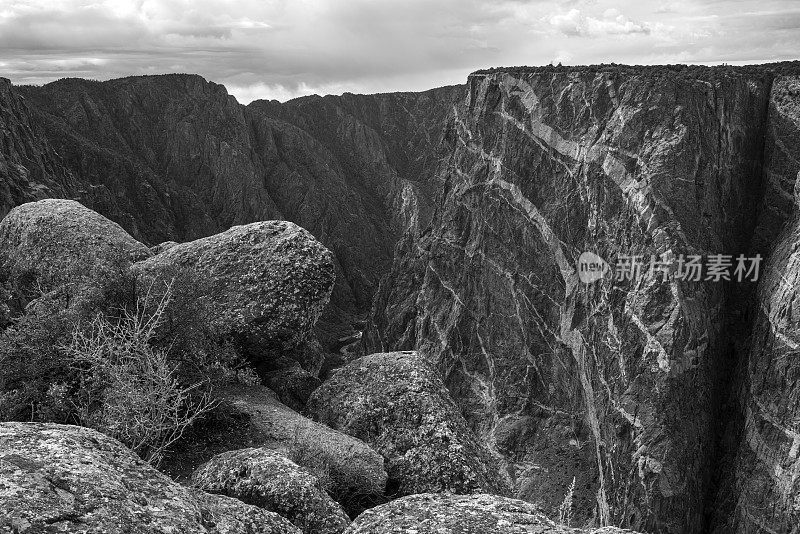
[
  {"x": 226, "y": 515},
  {"x": 356, "y": 473},
  {"x": 268, "y": 282},
  {"x": 52, "y": 242},
  {"x": 62, "y": 478},
  {"x": 398, "y": 404},
  {"x": 431, "y": 513},
  {"x": 266, "y": 479},
  {"x": 293, "y": 385}
]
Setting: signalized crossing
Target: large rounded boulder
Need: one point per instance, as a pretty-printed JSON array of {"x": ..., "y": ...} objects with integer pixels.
[
  {"x": 397, "y": 404},
  {"x": 267, "y": 479},
  {"x": 52, "y": 242},
  {"x": 465, "y": 514},
  {"x": 356, "y": 473},
  {"x": 62, "y": 478},
  {"x": 267, "y": 282}
]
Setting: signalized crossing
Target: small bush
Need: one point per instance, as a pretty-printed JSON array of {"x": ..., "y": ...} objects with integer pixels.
[
  {"x": 38, "y": 320},
  {"x": 89, "y": 352},
  {"x": 183, "y": 331},
  {"x": 30, "y": 362},
  {"x": 128, "y": 389}
]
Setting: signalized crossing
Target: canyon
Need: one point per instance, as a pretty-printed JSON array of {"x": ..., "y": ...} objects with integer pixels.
[{"x": 456, "y": 217}]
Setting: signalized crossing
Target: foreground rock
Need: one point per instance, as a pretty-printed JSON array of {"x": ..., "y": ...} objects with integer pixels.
[
  {"x": 266, "y": 479},
  {"x": 258, "y": 419},
  {"x": 268, "y": 282},
  {"x": 52, "y": 242},
  {"x": 228, "y": 515},
  {"x": 465, "y": 514},
  {"x": 61, "y": 478},
  {"x": 397, "y": 404}
]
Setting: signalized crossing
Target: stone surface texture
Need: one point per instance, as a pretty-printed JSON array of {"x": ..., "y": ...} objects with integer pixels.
[
  {"x": 397, "y": 403},
  {"x": 61, "y": 478},
  {"x": 269, "y": 480},
  {"x": 268, "y": 282},
  {"x": 431, "y": 513}
]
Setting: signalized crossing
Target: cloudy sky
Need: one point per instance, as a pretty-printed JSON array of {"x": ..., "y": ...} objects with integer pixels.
[{"x": 285, "y": 48}]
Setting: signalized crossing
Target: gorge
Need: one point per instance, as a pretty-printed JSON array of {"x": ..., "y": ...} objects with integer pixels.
[{"x": 455, "y": 218}]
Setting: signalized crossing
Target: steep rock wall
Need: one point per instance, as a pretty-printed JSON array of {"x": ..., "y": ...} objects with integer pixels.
[
  {"x": 617, "y": 384},
  {"x": 29, "y": 167},
  {"x": 764, "y": 487}
]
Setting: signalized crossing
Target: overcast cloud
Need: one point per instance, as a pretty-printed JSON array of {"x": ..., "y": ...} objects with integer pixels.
[{"x": 286, "y": 48}]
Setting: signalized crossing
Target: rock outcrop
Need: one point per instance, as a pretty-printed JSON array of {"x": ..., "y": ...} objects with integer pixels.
[
  {"x": 268, "y": 283},
  {"x": 356, "y": 473},
  {"x": 398, "y": 404},
  {"x": 60, "y": 478},
  {"x": 618, "y": 384},
  {"x": 227, "y": 515},
  {"x": 466, "y": 514},
  {"x": 266, "y": 479},
  {"x": 53, "y": 242}
]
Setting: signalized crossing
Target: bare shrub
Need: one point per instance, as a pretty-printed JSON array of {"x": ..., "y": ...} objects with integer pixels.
[
  {"x": 184, "y": 330},
  {"x": 36, "y": 320},
  {"x": 128, "y": 389}
]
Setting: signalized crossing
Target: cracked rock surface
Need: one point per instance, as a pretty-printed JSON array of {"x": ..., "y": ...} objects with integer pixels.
[{"x": 62, "y": 478}]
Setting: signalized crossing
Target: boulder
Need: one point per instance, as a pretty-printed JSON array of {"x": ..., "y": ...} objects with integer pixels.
[
  {"x": 229, "y": 516},
  {"x": 62, "y": 478},
  {"x": 293, "y": 385},
  {"x": 52, "y": 242},
  {"x": 268, "y": 283},
  {"x": 431, "y": 513},
  {"x": 267, "y": 479},
  {"x": 397, "y": 403},
  {"x": 356, "y": 470}
]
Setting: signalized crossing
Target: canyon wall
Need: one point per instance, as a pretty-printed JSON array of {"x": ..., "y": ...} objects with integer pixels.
[
  {"x": 762, "y": 493},
  {"x": 622, "y": 385},
  {"x": 176, "y": 158}
]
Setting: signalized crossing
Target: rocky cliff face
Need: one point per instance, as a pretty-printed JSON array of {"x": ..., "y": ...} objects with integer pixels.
[
  {"x": 765, "y": 487},
  {"x": 177, "y": 158},
  {"x": 29, "y": 168},
  {"x": 619, "y": 384}
]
